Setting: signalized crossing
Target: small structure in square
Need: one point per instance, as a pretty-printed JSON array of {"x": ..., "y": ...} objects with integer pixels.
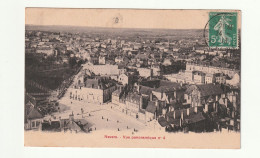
[{"x": 33, "y": 118}]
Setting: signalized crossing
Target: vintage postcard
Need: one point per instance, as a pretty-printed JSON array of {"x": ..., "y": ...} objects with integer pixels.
[{"x": 135, "y": 78}]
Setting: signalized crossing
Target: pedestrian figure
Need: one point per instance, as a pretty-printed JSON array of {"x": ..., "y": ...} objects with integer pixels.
[
  {"x": 111, "y": 107},
  {"x": 95, "y": 128},
  {"x": 117, "y": 121},
  {"x": 117, "y": 129},
  {"x": 127, "y": 127},
  {"x": 107, "y": 119},
  {"x": 102, "y": 117},
  {"x": 82, "y": 111},
  {"x": 90, "y": 115},
  {"x": 71, "y": 102}
]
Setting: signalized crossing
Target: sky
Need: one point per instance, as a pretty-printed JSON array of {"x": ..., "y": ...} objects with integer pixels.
[{"x": 119, "y": 18}]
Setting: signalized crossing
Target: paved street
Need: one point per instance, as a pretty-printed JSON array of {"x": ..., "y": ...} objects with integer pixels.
[{"x": 93, "y": 113}]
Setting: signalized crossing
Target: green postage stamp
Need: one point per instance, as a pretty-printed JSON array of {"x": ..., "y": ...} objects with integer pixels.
[{"x": 223, "y": 29}]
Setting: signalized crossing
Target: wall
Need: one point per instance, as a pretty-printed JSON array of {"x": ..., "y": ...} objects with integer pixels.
[
  {"x": 103, "y": 69},
  {"x": 133, "y": 107},
  {"x": 144, "y": 72},
  {"x": 88, "y": 94}
]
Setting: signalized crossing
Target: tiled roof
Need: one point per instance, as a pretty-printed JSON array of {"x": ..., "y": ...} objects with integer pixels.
[
  {"x": 205, "y": 90},
  {"x": 116, "y": 92},
  {"x": 174, "y": 104},
  {"x": 174, "y": 121},
  {"x": 34, "y": 114},
  {"x": 194, "y": 118},
  {"x": 151, "y": 83},
  {"x": 163, "y": 122},
  {"x": 146, "y": 90},
  {"x": 133, "y": 97},
  {"x": 98, "y": 83},
  {"x": 209, "y": 89},
  {"x": 151, "y": 107},
  {"x": 166, "y": 86},
  {"x": 72, "y": 125}
]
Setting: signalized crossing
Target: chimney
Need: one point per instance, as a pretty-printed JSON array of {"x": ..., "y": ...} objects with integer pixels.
[
  {"x": 188, "y": 111},
  {"x": 71, "y": 117},
  {"x": 233, "y": 114},
  {"x": 163, "y": 111},
  {"x": 196, "y": 109},
  {"x": 206, "y": 108},
  {"x": 234, "y": 99},
  {"x": 235, "y": 105},
  {"x": 226, "y": 100},
  {"x": 138, "y": 88},
  {"x": 120, "y": 88},
  {"x": 141, "y": 102},
  {"x": 156, "y": 103}
]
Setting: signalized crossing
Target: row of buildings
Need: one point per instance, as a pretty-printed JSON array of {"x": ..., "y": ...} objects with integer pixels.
[
  {"x": 203, "y": 74},
  {"x": 173, "y": 105}
]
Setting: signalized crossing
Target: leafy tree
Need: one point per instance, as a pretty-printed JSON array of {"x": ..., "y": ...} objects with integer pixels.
[{"x": 72, "y": 62}]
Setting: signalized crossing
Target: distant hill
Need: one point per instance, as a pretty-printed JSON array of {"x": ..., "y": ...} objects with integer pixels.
[{"x": 82, "y": 29}]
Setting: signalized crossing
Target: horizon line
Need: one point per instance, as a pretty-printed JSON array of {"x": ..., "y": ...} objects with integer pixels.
[{"x": 117, "y": 27}]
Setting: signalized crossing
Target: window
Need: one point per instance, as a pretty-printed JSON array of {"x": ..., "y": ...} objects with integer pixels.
[
  {"x": 37, "y": 123},
  {"x": 33, "y": 124}
]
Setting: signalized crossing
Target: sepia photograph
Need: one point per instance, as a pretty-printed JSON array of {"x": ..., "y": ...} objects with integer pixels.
[{"x": 132, "y": 78}]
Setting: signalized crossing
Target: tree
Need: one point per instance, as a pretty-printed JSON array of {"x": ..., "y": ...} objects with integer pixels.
[
  {"x": 72, "y": 62},
  {"x": 80, "y": 62}
]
